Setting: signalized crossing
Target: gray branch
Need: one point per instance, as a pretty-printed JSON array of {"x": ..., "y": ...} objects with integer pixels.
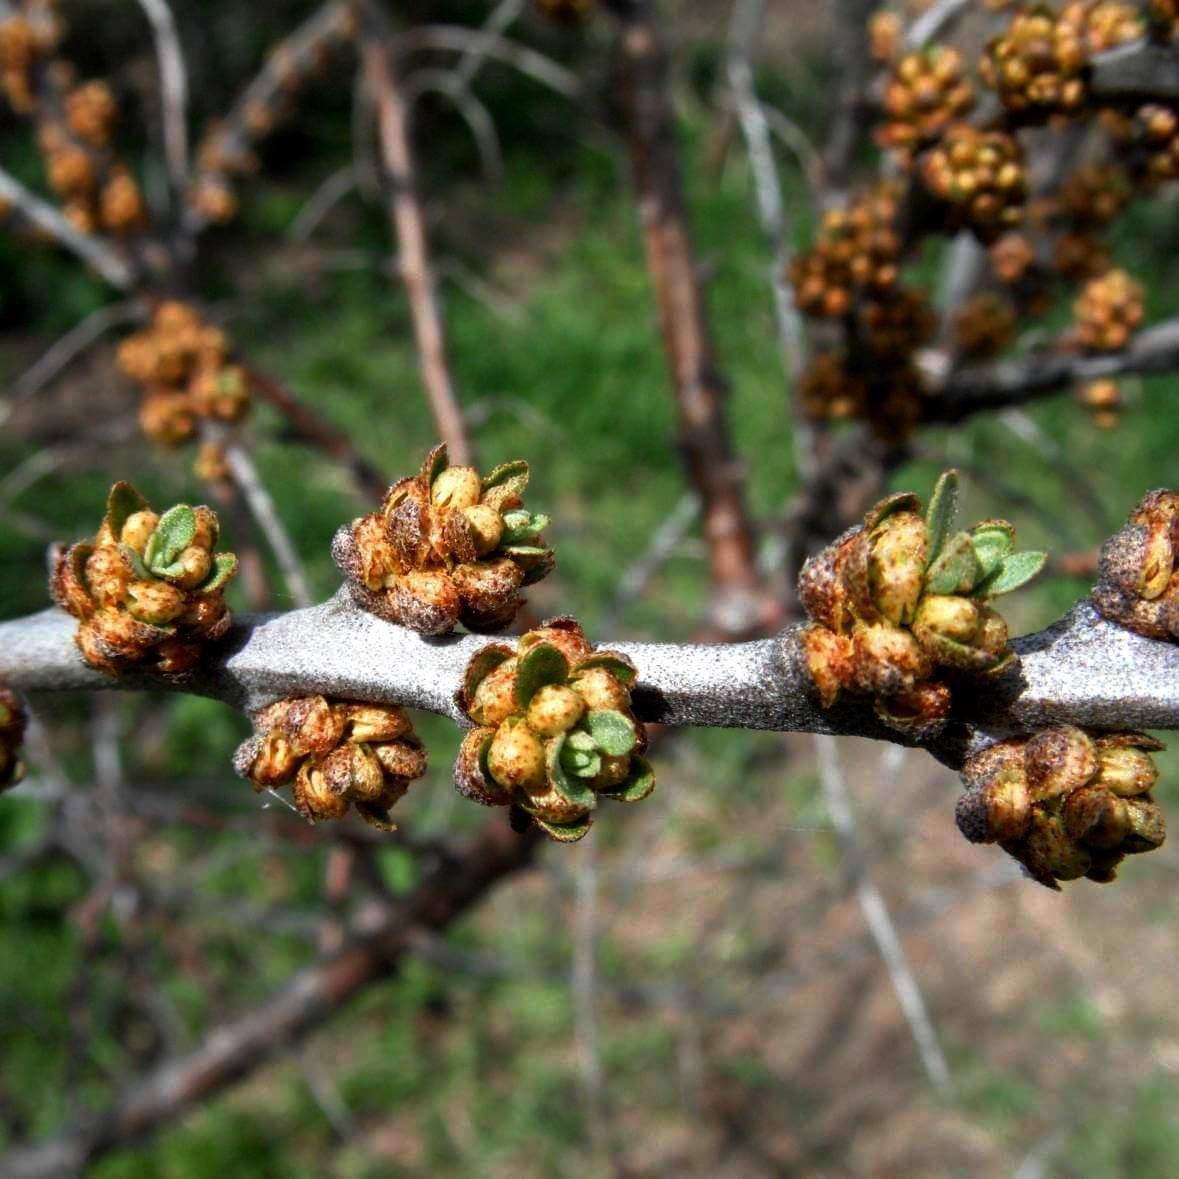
[
  {"x": 1084, "y": 670},
  {"x": 1139, "y": 70}
]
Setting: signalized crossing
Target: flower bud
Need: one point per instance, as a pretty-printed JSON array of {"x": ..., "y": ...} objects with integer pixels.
[
  {"x": 314, "y": 798},
  {"x": 1148, "y": 826},
  {"x": 456, "y": 488},
  {"x": 1096, "y": 818},
  {"x": 599, "y": 689},
  {"x": 107, "y": 575},
  {"x": 373, "y": 722},
  {"x": 195, "y": 565},
  {"x": 1126, "y": 771},
  {"x": 1048, "y": 853},
  {"x": 353, "y": 772},
  {"x": 516, "y": 757},
  {"x": 554, "y": 709},
  {"x": 997, "y": 811},
  {"x": 495, "y": 697},
  {"x": 828, "y": 661},
  {"x": 1059, "y": 760},
  {"x": 487, "y": 526},
  {"x": 156, "y": 602},
  {"x": 138, "y": 528},
  {"x": 404, "y": 759},
  {"x": 896, "y": 566},
  {"x": 887, "y": 660}
]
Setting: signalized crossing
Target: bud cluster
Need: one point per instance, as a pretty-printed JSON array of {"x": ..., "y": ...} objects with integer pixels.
[
  {"x": 857, "y": 251},
  {"x": 927, "y": 90},
  {"x": 225, "y": 152},
  {"x": 446, "y": 547},
  {"x": 1103, "y": 400},
  {"x": 902, "y": 599},
  {"x": 29, "y": 32},
  {"x": 1138, "y": 572},
  {"x": 180, "y": 363},
  {"x": 149, "y": 590},
  {"x": 981, "y": 176},
  {"x": 12, "y": 730},
  {"x": 984, "y": 325},
  {"x": 555, "y": 730},
  {"x": 334, "y": 754},
  {"x": 1064, "y": 802},
  {"x": 1108, "y": 311},
  {"x": 1149, "y": 138}
]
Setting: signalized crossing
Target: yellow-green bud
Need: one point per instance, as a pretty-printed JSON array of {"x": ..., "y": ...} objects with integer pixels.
[
  {"x": 495, "y": 697},
  {"x": 195, "y": 564},
  {"x": 156, "y": 602},
  {"x": 1126, "y": 771},
  {"x": 457, "y": 488},
  {"x": 138, "y": 529},
  {"x": 487, "y": 527},
  {"x": 516, "y": 757},
  {"x": 600, "y": 689},
  {"x": 554, "y": 709},
  {"x": 896, "y": 566},
  {"x": 1059, "y": 760},
  {"x": 207, "y": 529},
  {"x": 107, "y": 575}
]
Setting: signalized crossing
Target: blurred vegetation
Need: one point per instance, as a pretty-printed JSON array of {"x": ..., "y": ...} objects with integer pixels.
[{"x": 469, "y": 1065}]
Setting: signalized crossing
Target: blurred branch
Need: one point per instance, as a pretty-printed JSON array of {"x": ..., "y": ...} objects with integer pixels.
[
  {"x": 97, "y": 253},
  {"x": 409, "y": 225},
  {"x": 876, "y": 915},
  {"x": 1084, "y": 671},
  {"x": 240, "y": 1047},
  {"x": 1139, "y": 70},
  {"x": 747, "y": 25},
  {"x": 739, "y": 604},
  {"x": 852, "y": 64},
  {"x": 1013, "y": 382},
  {"x": 934, "y": 22},
  {"x": 173, "y": 94}
]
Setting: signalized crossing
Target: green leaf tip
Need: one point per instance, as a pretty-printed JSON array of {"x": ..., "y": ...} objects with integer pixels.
[{"x": 941, "y": 514}]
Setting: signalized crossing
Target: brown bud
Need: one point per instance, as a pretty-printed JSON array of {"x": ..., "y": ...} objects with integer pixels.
[
  {"x": 1096, "y": 818},
  {"x": 314, "y": 798},
  {"x": 495, "y": 697},
  {"x": 156, "y": 602},
  {"x": 997, "y": 811},
  {"x": 887, "y": 659},
  {"x": 486, "y": 525},
  {"x": 373, "y": 722},
  {"x": 599, "y": 688},
  {"x": 1126, "y": 771},
  {"x": 456, "y": 488},
  {"x": 896, "y": 566},
  {"x": 1059, "y": 760},
  {"x": 828, "y": 661}
]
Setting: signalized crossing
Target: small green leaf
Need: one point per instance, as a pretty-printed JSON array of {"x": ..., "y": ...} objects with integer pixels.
[
  {"x": 172, "y": 536},
  {"x": 224, "y": 567},
  {"x": 520, "y": 526},
  {"x": 613, "y": 733},
  {"x": 541, "y": 664},
  {"x": 565, "y": 832},
  {"x": 640, "y": 783},
  {"x": 993, "y": 541},
  {"x": 568, "y": 788},
  {"x": 435, "y": 463},
  {"x": 1018, "y": 569},
  {"x": 136, "y": 562},
  {"x": 957, "y": 570},
  {"x": 939, "y": 519},
  {"x": 513, "y": 476},
  {"x": 617, "y": 665},
  {"x": 123, "y": 502},
  {"x": 581, "y": 757}
]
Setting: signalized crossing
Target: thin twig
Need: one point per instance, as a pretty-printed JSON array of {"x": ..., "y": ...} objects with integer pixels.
[
  {"x": 409, "y": 225},
  {"x": 321, "y": 202},
  {"x": 173, "y": 94},
  {"x": 246, "y": 478},
  {"x": 100, "y": 255},
  {"x": 934, "y": 21},
  {"x": 876, "y": 914}
]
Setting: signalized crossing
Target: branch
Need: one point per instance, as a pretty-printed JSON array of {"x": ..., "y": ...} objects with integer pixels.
[
  {"x": 699, "y": 386},
  {"x": 409, "y": 225},
  {"x": 1012, "y": 382},
  {"x": 96, "y": 253},
  {"x": 1140, "y": 70},
  {"x": 238, "y": 1048},
  {"x": 173, "y": 93},
  {"x": 1082, "y": 671}
]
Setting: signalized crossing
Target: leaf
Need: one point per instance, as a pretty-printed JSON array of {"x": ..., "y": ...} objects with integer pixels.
[
  {"x": 569, "y": 789},
  {"x": 640, "y": 783},
  {"x": 903, "y": 501},
  {"x": 943, "y": 511},
  {"x": 512, "y": 476},
  {"x": 618, "y": 665},
  {"x": 580, "y": 755},
  {"x": 435, "y": 463},
  {"x": 993, "y": 542},
  {"x": 136, "y": 562},
  {"x": 613, "y": 733},
  {"x": 1018, "y": 569},
  {"x": 565, "y": 832},
  {"x": 122, "y": 503},
  {"x": 172, "y": 536},
  {"x": 482, "y": 664},
  {"x": 957, "y": 570},
  {"x": 224, "y": 567},
  {"x": 520, "y": 525},
  {"x": 541, "y": 664}
]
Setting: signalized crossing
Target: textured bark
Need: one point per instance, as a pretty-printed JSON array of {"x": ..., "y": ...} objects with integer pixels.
[{"x": 1084, "y": 671}]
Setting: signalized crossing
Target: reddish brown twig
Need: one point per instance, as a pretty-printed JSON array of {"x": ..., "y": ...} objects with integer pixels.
[
  {"x": 739, "y": 603},
  {"x": 241, "y": 1046},
  {"x": 409, "y": 226}
]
